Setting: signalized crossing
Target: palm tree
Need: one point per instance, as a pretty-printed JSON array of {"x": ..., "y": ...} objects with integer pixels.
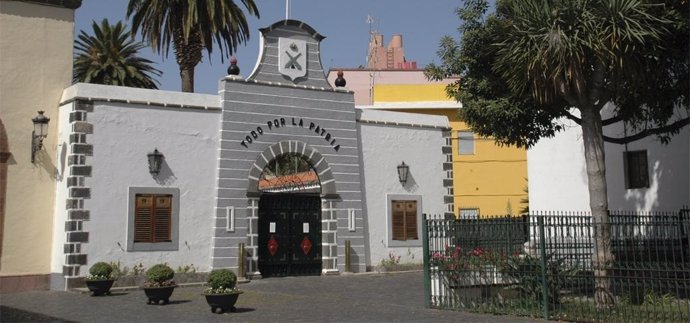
[
  {"x": 110, "y": 57},
  {"x": 191, "y": 26}
]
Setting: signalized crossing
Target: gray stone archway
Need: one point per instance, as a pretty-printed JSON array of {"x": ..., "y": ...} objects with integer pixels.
[
  {"x": 315, "y": 159},
  {"x": 328, "y": 196}
]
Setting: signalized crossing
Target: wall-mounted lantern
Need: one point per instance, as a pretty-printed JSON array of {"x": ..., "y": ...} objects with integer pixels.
[
  {"x": 403, "y": 171},
  {"x": 40, "y": 131},
  {"x": 155, "y": 162}
]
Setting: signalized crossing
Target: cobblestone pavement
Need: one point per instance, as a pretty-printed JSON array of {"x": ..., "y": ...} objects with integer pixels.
[{"x": 395, "y": 297}]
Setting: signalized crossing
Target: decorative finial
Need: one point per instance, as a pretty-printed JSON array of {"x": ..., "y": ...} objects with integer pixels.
[
  {"x": 233, "y": 69},
  {"x": 340, "y": 81}
]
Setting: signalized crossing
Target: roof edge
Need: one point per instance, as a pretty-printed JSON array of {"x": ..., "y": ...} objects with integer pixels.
[
  {"x": 294, "y": 23},
  {"x": 69, "y": 4}
]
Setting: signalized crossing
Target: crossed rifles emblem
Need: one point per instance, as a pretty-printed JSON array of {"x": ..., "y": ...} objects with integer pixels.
[{"x": 292, "y": 63}]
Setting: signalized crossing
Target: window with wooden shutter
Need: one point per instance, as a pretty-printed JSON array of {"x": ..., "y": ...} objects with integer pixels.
[
  {"x": 153, "y": 218},
  {"x": 404, "y": 219}
]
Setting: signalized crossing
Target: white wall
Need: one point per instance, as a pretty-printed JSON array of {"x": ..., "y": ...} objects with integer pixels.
[
  {"x": 61, "y": 190},
  {"x": 558, "y": 178},
  {"x": 384, "y": 146},
  {"x": 123, "y": 135}
]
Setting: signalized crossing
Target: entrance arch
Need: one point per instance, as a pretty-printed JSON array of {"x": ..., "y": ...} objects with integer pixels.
[
  {"x": 289, "y": 229},
  {"x": 310, "y": 154}
]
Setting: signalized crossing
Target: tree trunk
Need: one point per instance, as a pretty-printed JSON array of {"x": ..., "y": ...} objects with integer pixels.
[
  {"x": 188, "y": 55},
  {"x": 187, "y": 77},
  {"x": 595, "y": 161}
]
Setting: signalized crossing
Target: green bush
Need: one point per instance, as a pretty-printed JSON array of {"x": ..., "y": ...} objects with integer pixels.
[
  {"x": 525, "y": 271},
  {"x": 101, "y": 270},
  {"x": 160, "y": 273},
  {"x": 222, "y": 279}
]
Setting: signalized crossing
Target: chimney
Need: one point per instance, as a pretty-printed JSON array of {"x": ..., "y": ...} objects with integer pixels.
[{"x": 396, "y": 42}]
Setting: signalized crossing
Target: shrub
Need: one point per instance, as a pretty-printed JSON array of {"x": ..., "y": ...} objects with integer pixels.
[
  {"x": 100, "y": 271},
  {"x": 160, "y": 275},
  {"x": 392, "y": 260},
  {"x": 119, "y": 270},
  {"x": 221, "y": 281},
  {"x": 525, "y": 271}
]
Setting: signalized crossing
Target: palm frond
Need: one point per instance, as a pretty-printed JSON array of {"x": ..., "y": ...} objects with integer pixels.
[{"x": 109, "y": 56}]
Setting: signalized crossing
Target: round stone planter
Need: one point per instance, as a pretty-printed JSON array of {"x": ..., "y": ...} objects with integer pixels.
[
  {"x": 159, "y": 295},
  {"x": 99, "y": 287},
  {"x": 222, "y": 302}
]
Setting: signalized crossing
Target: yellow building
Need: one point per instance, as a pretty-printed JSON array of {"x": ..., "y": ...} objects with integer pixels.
[
  {"x": 36, "y": 39},
  {"x": 487, "y": 180}
]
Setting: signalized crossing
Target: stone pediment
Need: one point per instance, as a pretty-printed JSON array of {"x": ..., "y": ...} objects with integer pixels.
[{"x": 290, "y": 55}]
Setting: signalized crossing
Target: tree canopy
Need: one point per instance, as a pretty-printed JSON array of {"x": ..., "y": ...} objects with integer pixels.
[
  {"x": 109, "y": 56},
  {"x": 191, "y": 26},
  {"x": 529, "y": 62}
]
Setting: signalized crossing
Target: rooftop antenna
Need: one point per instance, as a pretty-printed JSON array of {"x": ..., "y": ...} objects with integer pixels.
[
  {"x": 371, "y": 55},
  {"x": 287, "y": 9},
  {"x": 370, "y": 21}
]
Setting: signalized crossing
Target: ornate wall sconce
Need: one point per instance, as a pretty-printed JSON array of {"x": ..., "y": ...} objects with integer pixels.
[
  {"x": 38, "y": 134},
  {"x": 403, "y": 171},
  {"x": 155, "y": 161}
]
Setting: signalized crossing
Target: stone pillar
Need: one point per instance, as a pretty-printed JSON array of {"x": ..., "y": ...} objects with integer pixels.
[{"x": 79, "y": 170}]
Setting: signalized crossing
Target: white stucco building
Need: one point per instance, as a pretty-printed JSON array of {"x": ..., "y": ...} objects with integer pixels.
[
  {"x": 205, "y": 200},
  {"x": 655, "y": 176}
]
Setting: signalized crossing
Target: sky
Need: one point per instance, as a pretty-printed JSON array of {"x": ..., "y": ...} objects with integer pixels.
[{"x": 343, "y": 22}]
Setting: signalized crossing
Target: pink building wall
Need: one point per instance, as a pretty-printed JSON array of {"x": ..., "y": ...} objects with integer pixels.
[{"x": 362, "y": 81}]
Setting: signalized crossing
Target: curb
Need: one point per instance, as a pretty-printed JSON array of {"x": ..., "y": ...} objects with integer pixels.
[{"x": 84, "y": 290}]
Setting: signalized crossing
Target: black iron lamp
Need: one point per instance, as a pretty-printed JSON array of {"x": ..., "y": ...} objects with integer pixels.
[
  {"x": 155, "y": 161},
  {"x": 403, "y": 171},
  {"x": 40, "y": 131}
]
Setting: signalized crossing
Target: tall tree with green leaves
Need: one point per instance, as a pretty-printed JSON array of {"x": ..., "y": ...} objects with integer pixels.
[
  {"x": 191, "y": 26},
  {"x": 532, "y": 62},
  {"x": 109, "y": 56}
]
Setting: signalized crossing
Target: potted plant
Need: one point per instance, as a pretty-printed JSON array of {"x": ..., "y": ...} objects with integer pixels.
[
  {"x": 100, "y": 279},
  {"x": 159, "y": 284},
  {"x": 222, "y": 293}
]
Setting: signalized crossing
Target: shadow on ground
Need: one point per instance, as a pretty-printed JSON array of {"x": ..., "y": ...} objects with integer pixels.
[{"x": 11, "y": 314}]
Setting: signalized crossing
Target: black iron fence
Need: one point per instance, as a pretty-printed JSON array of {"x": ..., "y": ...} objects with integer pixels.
[{"x": 562, "y": 266}]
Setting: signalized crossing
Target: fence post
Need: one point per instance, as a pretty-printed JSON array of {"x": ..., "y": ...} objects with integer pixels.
[
  {"x": 425, "y": 259},
  {"x": 348, "y": 255},
  {"x": 542, "y": 261},
  {"x": 685, "y": 226},
  {"x": 241, "y": 270}
]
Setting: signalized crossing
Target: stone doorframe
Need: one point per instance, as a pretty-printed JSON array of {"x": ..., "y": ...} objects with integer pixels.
[{"x": 329, "y": 221}]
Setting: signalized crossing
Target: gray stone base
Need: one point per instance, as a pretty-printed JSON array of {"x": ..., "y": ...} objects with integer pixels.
[{"x": 57, "y": 281}]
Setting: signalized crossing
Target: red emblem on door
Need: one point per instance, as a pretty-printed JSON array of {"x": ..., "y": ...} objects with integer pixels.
[
  {"x": 305, "y": 245},
  {"x": 272, "y": 245}
]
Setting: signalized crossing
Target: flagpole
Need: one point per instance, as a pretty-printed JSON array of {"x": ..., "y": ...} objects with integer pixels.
[{"x": 287, "y": 9}]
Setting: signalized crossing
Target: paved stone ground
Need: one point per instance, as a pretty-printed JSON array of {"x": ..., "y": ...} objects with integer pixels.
[{"x": 395, "y": 297}]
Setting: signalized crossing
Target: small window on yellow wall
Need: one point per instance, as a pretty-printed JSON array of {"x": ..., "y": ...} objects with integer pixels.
[
  {"x": 404, "y": 220},
  {"x": 469, "y": 213},
  {"x": 465, "y": 143}
]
